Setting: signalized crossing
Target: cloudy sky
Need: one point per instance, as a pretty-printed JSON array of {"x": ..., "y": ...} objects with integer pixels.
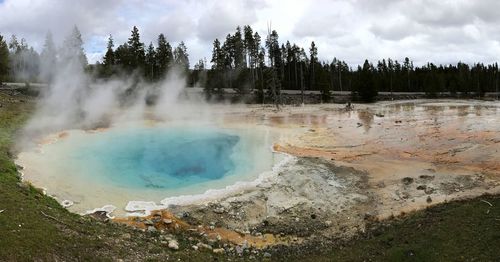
[{"x": 444, "y": 31}]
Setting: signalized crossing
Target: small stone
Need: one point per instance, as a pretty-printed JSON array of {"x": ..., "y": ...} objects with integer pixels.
[
  {"x": 239, "y": 250},
  {"x": 219, "y": 238},
  {"x": 218, "y": 251},
  {"x": 404, "y": 195},
  {"x": 421, "y": 187},
  {"x": 167, "y": 221},
  {"x": 173, "y": 244},
  {"x": 152, "y": 229},
  {"x": 219, "y": 210},
  {"x": 148, "y": 222},
  {"x": 267, "y": 254},
  {"x": 407, "y": 180},
  {"x": 429, "y": 190},
  {"x": 203, "y": 245},
  {"x": 429, "y": 199},
  {"x": 369, "y": 216},
  {"x": 67, "y": 203},
  {"x": 195, "y": 247}
]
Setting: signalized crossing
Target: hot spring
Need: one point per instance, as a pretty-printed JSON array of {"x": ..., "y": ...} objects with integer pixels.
[{"x": 144, "y": 162}]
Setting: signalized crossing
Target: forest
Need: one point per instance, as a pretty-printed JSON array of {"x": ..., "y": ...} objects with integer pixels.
[{"x": 249, "y": 64}]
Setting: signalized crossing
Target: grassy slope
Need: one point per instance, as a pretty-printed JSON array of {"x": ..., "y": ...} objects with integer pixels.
[
  {"x": 455, "y": 231},
  {"x": 27, "y": 234}
]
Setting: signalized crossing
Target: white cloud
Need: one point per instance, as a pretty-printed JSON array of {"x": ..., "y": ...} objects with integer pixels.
[{"x": 424, "y": 30}]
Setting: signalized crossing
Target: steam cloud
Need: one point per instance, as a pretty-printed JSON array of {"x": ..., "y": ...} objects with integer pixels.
[{"x": 72, "y": 100}]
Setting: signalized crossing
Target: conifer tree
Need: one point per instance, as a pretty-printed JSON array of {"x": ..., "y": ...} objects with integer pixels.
[{"x": 164, "y": 56}]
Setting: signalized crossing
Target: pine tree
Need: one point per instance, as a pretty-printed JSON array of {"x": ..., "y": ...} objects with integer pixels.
[
  {"x": 4, "y": 59},
  {"x": 366, "y": 90},
  {"x": 48, "y": 59},
  {"x": 217, "y": 56},
  {"x": 313, "y": 54},
  {"x": 164, "y": 56},
  {"x": 181, "y": 57},
  {"x": 136, "y": 48},
  {"x": 249, "y": 46},
  {"x": 238, "y": 49},
  {"x": 150, "y": 62},
  {"x": 73, "y": 48},
  {"x": 109, "y": 57}
]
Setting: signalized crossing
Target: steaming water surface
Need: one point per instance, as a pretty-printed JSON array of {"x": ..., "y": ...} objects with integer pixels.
[{"x": 138, "y": 162}]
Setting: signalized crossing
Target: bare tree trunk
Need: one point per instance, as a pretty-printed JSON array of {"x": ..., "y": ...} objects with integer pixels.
[
  {"x": 295, "y": 67},
  {"x": 301, "y": 83}
]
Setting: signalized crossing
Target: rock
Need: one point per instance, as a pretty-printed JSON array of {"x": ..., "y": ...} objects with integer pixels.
[
  {"x": 219, "y": 210},
  {"x": 404, "y": 195},
  {"x": 369, "y": 216},
  {"x": 429, "y": 190},
  {"x": 67, "y": 203},
  {"x": 126, "y": 236},
  {"x": 407, "y": 180},
  {"x": 267, "y": 254},
  {"x": 167, "y": 221},
  {"x": 427, "y": 177},
  {"x": 359, "y": 124},
  {"x": 421, "y": 187},
  {"x": 173, "y": 244},
  {"x": 100, "y": 215},
  {"x": 195, "y": 247},
  {"x": 148, "y": 222},
  {"x": 429, "y": 199},
  {"x": 239, "y": 250},
  {"x": 203, "y": 245},
  {"x": 23, "y": 185},
  {"x": 218, "y": 251},
  {"x": 152, "y": 229}
]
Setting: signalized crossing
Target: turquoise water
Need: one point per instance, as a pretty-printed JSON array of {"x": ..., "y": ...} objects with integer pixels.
[
  {"x": 161, "y": 158},
  {"x": 134, "y": 161}
]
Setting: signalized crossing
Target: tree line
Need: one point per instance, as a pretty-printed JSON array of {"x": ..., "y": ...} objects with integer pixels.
[{"x": 253, "y": 66}]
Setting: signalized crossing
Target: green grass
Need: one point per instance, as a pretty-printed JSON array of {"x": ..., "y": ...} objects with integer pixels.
[
  {"x": 27, "y": 234},
  {"x": 457, "y": 231}
]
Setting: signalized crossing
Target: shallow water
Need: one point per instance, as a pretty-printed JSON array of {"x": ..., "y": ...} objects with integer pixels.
[
  {"x": 160, "y": 158},
  {"x": 148, "y": 163}
]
